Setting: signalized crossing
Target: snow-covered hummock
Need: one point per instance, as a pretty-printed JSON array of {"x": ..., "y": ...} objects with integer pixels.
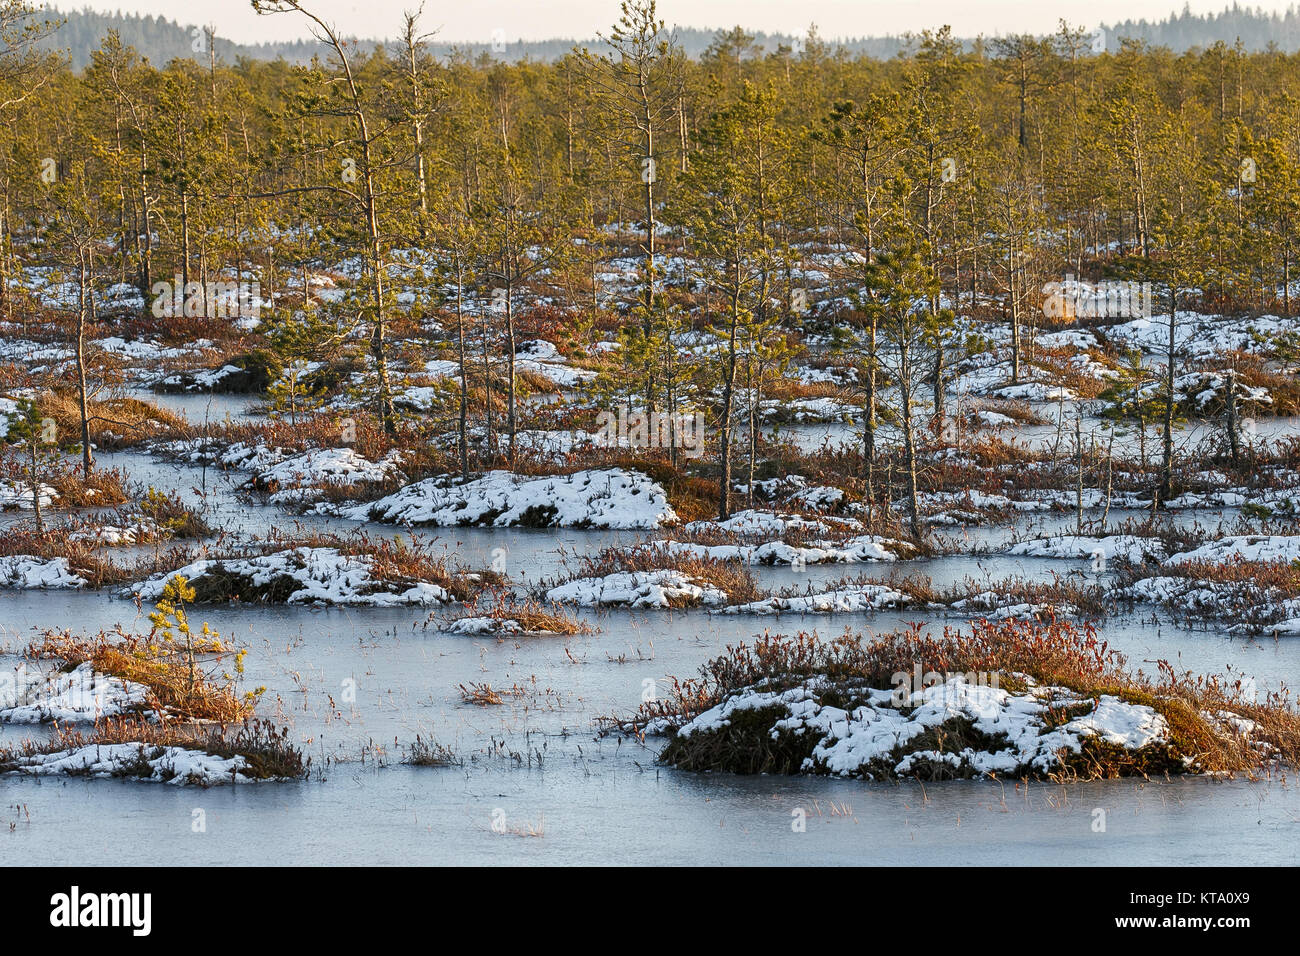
[
  {"x": 842, "y": 600},
  {"x": 1243, "y": 606},
  {"x": 862, "y": 548},
  {"x": 1001, "y": 607},
  {"x": 989, "y": 373},
  {"x": 1199, "y": 336},
  {"x": 488, "y": 626},
  {"x": 120, "y": 535},
  {"x": 818, "y": 498},
  {"x": 771, "y": 524},
  {"x": 808, "y": 375},
  {"x": 662, "y": 588},
  {"x": 204, "y": 380},
  {"x": 324, "y": 576},
  {"x": 122, "y": 297},
  {"x": 873, "y": 738},
  {"x": 794, "y": 491},
  {"x": 141, "y": 349},
  {"x": 240, "y": 455},
  {"x": 483, "y": 625},
  {"x": 420, "y": 398},
  {"x": 979, "y": 500},
  {"x": 77, "y": 696},
  {"x": 610, "y": 498},
  {"x": 542, "y": 357},
  {"x": 18, "y": 494},
  {"x": 1204, "y": 388},
  {"x": 808, "y": 411},
  {"x": 1115, "y": 547},
  {"x": 298, "y": 478},
  {"x": 1034, "y": 392},
  {"x": 24, "y": 572},
  {"x": 177, "y": 766},
  {"x": 1244, "y": 547},
  {"x": 995, "y": 419}
]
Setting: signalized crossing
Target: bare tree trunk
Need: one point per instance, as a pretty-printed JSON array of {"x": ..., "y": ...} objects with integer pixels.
[
  {"x": 728, "y": 397},
  {"x": 909, "y": 438},
  {"x": 34, "y": 477},
  {"x": 1167, "y": 457},
  {"x": 462, "y": 418},
  {"x": 83, "y": 402}
]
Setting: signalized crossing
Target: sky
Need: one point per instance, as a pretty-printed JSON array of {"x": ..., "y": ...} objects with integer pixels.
[{"x": 478, "y": 20}]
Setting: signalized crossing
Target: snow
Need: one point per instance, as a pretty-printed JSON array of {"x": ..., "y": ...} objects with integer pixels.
[
  {"x": 561, "y": 375},
  {"x": 139, "y": 529},
  {"x": 489, "y": 626},
  {"x": 300, "y": 477},
  {"x": 830, "y": 375},
  {"x": 807, "y": 411},
  {"x": 1205, "y": 388},
  {"x": 994, "y": 419},
  {"x": 978, "y": 500},
  {"x": 177, "y": 766},
  {"x": 612, "y": 498},
  {"x": 202, "y": 380},
  {"x": 239, "y": 455},
  {"x": 76, "y": 696},
  {"x": 770, "y": 524},
  {"x": 842, "y": 600},
  {"x": 872, "y": 739},
  {"x": 9, "y": 411},
  {"x": 850, "y": 551},
  {"x": 638, "y": 589},
  {"x": 25, "y": 572},
  {"x": 1244, "y": 547},
  {"x": 1241, "y": 606},
  {"x": 324, "y": 576},
  {"x": 1116, "y": 547},
  {"x": 1034, "y": 392},
  {"x": 818, "y": 498},
  {"x": 420, "y": 398},
  {"x": 140, "y": 350},
  {"x": 1067, "y": 338},
  {"x": 17, "y": 494},
  {"x": 1001, "y": 607},
  {"x": 1198, "y": 336}
]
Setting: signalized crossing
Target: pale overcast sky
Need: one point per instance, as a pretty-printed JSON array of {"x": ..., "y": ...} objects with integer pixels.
[{"x": 475, "y": 20}]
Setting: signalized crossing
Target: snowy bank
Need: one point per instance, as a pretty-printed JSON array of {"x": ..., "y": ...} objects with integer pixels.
[
  {"x": 954, "y": 728},
  {"x": 638, "y": 589},
  {"x": 320, "y": 576},
  {"x": 77, "y": 696},
  {"x": 611, "y": 498},
  {"x": 25, "y": 572},
  {"x": 178, "y": 766}
]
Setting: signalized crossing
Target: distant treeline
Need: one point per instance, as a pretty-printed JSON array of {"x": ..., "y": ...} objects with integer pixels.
[{"x": 161, "y": 40}]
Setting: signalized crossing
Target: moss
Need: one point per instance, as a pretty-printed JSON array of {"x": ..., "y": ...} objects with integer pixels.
[
  {"x": 538, "y": 516},
  {"x": 216, "y": 586},
  {"x": 745, "y": 746}
]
